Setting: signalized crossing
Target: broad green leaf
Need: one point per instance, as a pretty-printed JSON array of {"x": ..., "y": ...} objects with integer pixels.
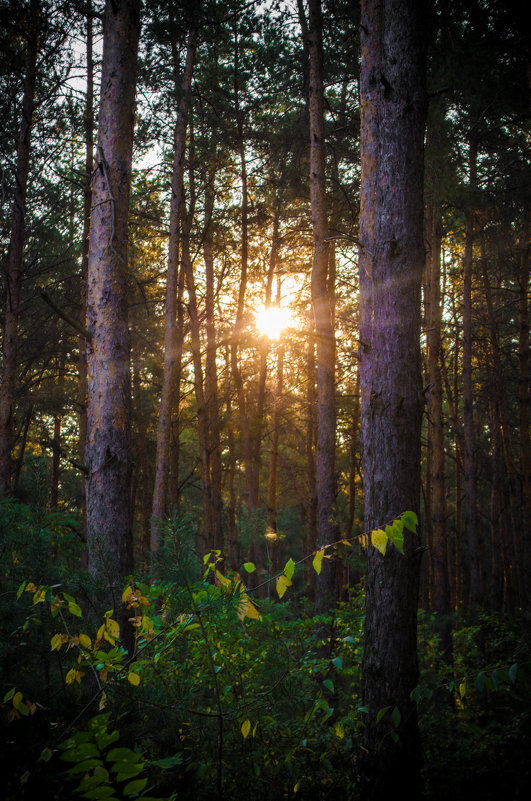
[
  {"x": 479, "y": 682},
  {"x": 168, "y": 762},
  {"x": 249, "y": 567},
  {"x": 329, "y": 685},
  {"x": 410, "y": 521},
  {"x": 396, "y": 717},
  {"x": 379, "y": 540},
  {"x": 283, "y": 583},
  {"x": 46, "y": 755},
  {"x": 396, "y": 536},
  {"x": 318, "y": 561},
  {"x": 337, "y": 662},
  {"x": 494, "y": 679},
  {"x": 512, "y": 673},
  {"x": 289, "y": 568},
  {"x": 381, "y": 713},
  {"x": 100, "y": 792},
  {"x": 245, "y": 728},
  {"x": 75, "y": 609},
  {"x": 21, "y": 589},
  {"x": 19, "y": 704},
  {"x": 134, "y": 787},
  {"x": 9, "y": 694}
]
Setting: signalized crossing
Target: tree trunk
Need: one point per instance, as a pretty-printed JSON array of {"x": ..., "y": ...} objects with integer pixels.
[
  {"x": 171, "y": 345},
  {"x": 439, "y": 581},
  {"x": 391, "y": 258},
  {"x": 108, "y": 359},
  {"x": 323, "y": 311},
  {"x": 13, "y": 268},
  {"x": 87, "y": 199},
  {"x": 471, "y": 516},
  {"x": 211, "y": 377}
]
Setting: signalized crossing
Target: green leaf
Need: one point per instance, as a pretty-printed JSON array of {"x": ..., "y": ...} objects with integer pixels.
[
  {"x": 494, "y": 679},
  {"x": 21, "y": 589},
  {"x": 100, "y": 792},
  {"x": 134, "y": 787},
  {"x": 318, "y": 561},
  {"x": 337, "y": 662},
  {"x": 479, "y": 682},
  {"x": 168, "y": 762},
  {"x": 381, "y": 713},
  {"x": 512, "y": 673},
  {"x": 329, "y": 685},
  {"x": 396, "y": 535},
  {"x": 396, "y": 717},
  {"x": 379, "y": 539},
  {"x": 410, "y": 521},
  {"x": 289, "y": 568},
  {"x": 46, "y": 755},
  {"x": 249, "y": 567}
]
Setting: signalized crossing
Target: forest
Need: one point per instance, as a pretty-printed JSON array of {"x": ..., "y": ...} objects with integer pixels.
[{"x": 265, "y": 458}]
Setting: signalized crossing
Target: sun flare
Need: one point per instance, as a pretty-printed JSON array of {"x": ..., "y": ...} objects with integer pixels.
[{"x": 272, "y": 321}]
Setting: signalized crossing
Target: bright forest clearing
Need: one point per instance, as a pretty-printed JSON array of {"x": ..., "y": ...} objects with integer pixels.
[{"x": 265, "y": 464}]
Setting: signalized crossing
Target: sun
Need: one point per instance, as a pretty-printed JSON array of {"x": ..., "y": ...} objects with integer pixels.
[{"x": 272, "y": 321}]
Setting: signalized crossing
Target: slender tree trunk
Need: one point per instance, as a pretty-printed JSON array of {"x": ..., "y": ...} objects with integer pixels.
[
  {"x": 87, "y": 199},
  {"x": 471, "y": 517},
  {"x": 391, "y": 258},
  {"x": 108, "y": 359},
  {"x": 439, "y": 581},
  {"x": 323, "y": 311},
  {"x": 211, "y": 376},
  {"x": 524, "y": 440},
  {"x": 310, "y": 504},
  {"x": 175, "y": 430},
  {"x": 171, "y": 345},
  {"x": 13, "y": 267}
]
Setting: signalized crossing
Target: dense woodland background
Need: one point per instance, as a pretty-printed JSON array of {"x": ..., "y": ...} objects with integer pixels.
[{"x": 230, "y": 690}]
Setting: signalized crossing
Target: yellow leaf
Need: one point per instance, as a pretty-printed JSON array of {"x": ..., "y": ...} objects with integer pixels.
[
  {"x": 85, "y": 641},
  {"x": 57, "y": 641},
  {"x": 126, "y": 594},
  {"x": 30, "y": 587},
  {"x": 252, "y": 611},
  {"x": 246, "y": 728},
  {"x": 318, "y": 561},
  {"x": 283, "y": 583},
  {"x": 113, "y": 628},
  {"x": 462, "y": 689},
  {"x": 379, "y": 539},
  {"x": 103, "y": 701},
  {"x": 134, "y": 679}
]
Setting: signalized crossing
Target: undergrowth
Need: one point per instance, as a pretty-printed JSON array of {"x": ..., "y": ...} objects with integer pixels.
[{"x": 225, "y": 695}]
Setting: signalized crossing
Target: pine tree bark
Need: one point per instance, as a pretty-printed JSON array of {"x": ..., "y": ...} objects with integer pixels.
[
  {"x": 469, "y": 439},
  {"x": 107, "y": 454},
  {"x": 323, "y": 311},
  {"x": 439, "y": 580},
  {"x": 13, "y": 268},
  {"x": 171, "y": 344},
  {"x": 87, "y": 200},
  {"x": 391, "y": 259}
]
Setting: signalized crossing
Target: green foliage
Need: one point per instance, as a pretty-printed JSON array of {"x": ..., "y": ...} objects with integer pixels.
[
  {"x": 226, "y": 687},
  {"x": 102, "y": 772}
]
